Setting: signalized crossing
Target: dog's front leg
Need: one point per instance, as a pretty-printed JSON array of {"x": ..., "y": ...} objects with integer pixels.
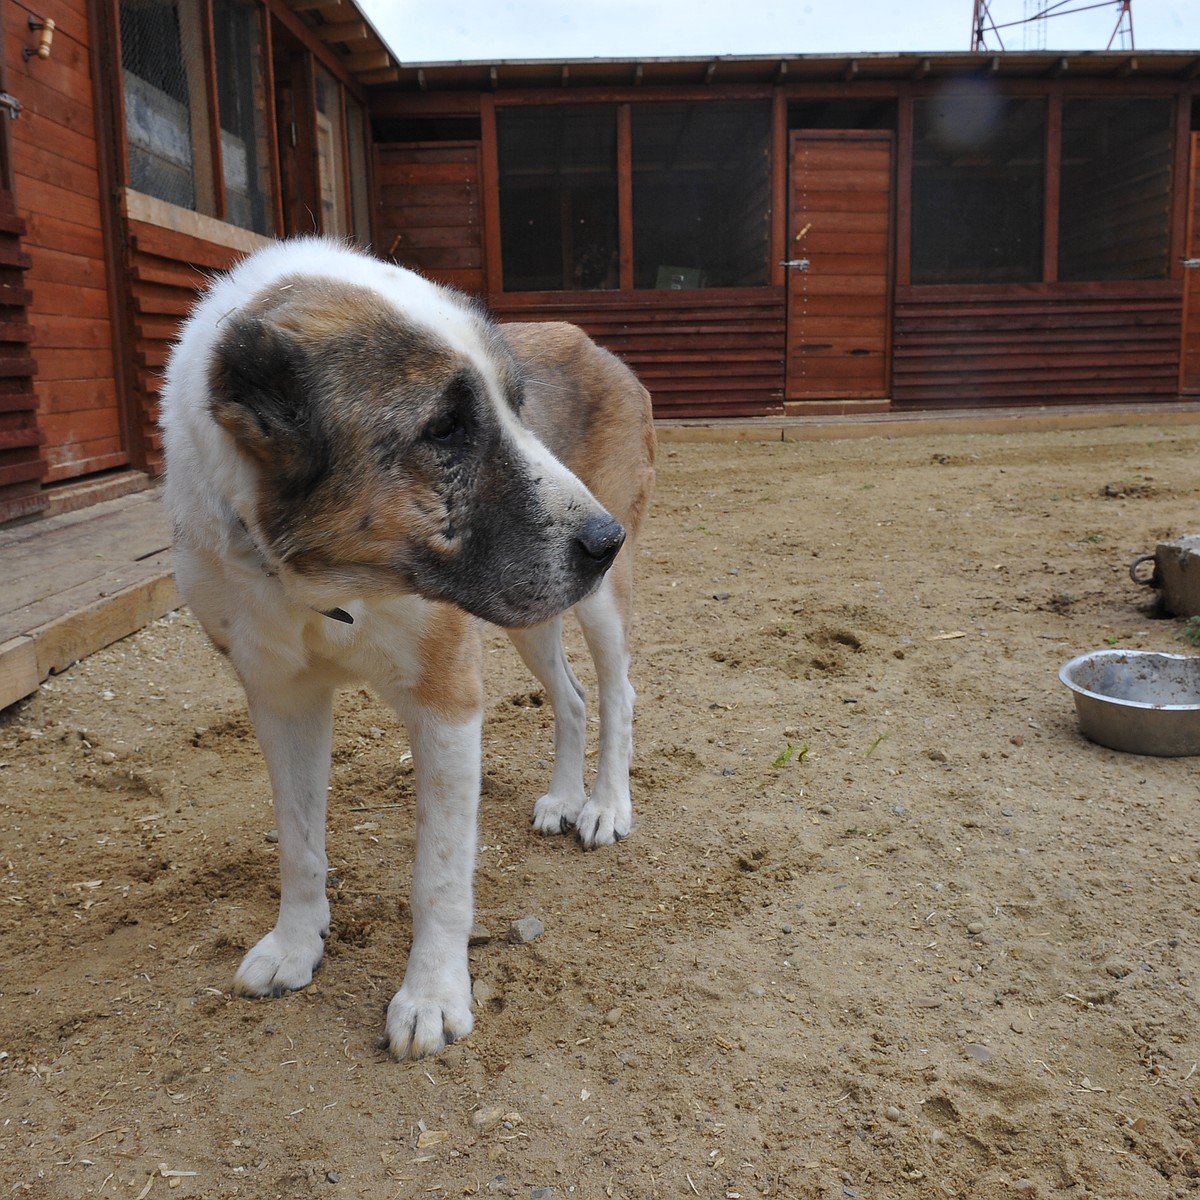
[
  {"x": 433, "y": 1006},
  {"x": 295, "y": 730}
]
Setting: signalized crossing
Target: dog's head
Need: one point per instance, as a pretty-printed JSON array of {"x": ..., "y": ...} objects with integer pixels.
[{"x": 389, "y": 453}]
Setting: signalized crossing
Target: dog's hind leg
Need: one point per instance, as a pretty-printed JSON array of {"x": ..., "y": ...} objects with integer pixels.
[
  {"x": 604, "y": 616},
  {"x": 541, "y": 648},
  {"x": 295, "y": 730}
]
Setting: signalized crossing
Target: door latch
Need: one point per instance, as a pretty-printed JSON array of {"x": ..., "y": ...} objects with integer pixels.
[
  {"x": 796, "y": 264},
  {"x": 12, "y": 104},
  {"x": 1191, "y": 262}
]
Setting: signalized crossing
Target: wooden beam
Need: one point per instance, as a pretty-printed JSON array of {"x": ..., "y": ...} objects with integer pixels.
[
  {"x": 922, "y": 69},
  {"x": 384, "y": 75},
  {"x": 566, "y": 75},
  {"x": 309, "y": 5},
  {"x": 1060, "y": 68},
  {"x": 851, "y": 70},
  {"x": 637, "y": 75},
  {"x": 344, "y": 31},
  {"x": 1193, "y": 71},
  {"x": 1127, "y": 68},
  {"x": 711, "y": 71},
  {"x": 373, "y": 60},
  {"x": 781, "y": 72}
]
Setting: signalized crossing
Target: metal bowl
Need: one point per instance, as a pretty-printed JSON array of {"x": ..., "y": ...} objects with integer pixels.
[{"x": 1138, "y": 701}]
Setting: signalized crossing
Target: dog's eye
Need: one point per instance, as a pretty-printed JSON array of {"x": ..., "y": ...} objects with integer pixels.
[{"x": 444, "y": 429}]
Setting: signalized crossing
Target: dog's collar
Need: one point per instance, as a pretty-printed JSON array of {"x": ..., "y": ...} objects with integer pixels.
[{"x": 335, "y": 614}]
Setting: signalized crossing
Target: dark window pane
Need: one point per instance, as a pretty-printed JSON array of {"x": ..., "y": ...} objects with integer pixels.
[
  {"x": 701, "y": 194},
  {"x": 1115, "y": 203},
  {"x": 978, "y": 179},
  {"x": 558, "y": 197},
  {"x": 241, "y": 96}
]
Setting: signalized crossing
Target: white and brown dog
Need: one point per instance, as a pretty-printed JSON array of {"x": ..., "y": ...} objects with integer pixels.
[{"x": 359, "y": 465}]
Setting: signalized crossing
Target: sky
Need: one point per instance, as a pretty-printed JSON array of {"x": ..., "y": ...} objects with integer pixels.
[{"x": 492, "y": 30}]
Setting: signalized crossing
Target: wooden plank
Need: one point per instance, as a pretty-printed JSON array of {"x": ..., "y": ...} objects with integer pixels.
[{"x": 19, "y": 675}]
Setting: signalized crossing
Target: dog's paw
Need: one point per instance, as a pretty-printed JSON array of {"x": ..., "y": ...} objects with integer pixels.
[
  {"x": 419, "y": 1025},
  {"x": 554, "y": 814},
  {"x": 603, "y": 824},
  {"x": 279, "y": 964}
]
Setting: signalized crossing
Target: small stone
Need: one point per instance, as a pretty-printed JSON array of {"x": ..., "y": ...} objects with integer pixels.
[
  {"x": 483, "y": 993},
  {"x": 937, "y": 1137},
  {"x": 975, "y": 927},
  {"x": 479, "y": 936},
  {"x": 483, "y": 1119},
  {"x": 720, "y": 595},
  {"x": 273, "y": 836},
  {"x": 613, "y": 1016},
  {"x": 787, "y": 929},
  {"x": 892, "y": 1113},
  {"x": 1006, "y": 811},
  {"x": 935, "y": 755},
  {"x": 526, "y": 930},
  {"x": 979, "y": 1053},
  {"x": 332, "y": 1177},
  {"x": 1017, "y": 740}
]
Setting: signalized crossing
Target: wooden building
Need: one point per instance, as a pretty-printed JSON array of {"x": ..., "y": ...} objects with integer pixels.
[{"x": 755, "y": 235}]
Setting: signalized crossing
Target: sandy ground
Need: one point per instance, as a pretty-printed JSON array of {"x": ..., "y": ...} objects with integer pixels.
[{"x": 887, "y": 925}]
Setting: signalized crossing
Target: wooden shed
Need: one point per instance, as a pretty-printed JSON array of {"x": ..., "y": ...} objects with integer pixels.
[{"x": 755, "y": 235}]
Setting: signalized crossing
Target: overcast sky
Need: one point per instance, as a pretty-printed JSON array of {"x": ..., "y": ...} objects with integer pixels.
[{"x": 450, "y": 30}]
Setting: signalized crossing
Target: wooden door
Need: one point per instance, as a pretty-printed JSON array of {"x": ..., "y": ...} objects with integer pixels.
[
  {"x": 1189, "y": 353},
  {"x": 839, "y": 306}
]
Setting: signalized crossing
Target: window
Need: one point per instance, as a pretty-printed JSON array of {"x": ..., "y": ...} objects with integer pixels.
[
  {"x": 1115, "y": 201},
  {"x": 241, "y": 96},
  {"x": 978, "y": 180},
  {"x": 162, "y": 53},
  {"x": 701, "y": 195},
  {"x": 558, "y": 197}
]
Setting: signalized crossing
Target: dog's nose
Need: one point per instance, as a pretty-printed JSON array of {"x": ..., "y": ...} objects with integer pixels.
[{"x": 600, "y": 539}]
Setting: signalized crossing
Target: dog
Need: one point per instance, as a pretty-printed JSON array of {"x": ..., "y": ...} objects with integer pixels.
[{"x": 361, "y": 467}]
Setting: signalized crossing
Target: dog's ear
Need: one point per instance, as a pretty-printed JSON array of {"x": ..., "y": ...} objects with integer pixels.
[{"x": 262, "y": 395}]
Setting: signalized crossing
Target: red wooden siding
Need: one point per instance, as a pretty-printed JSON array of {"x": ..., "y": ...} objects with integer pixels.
[
  {"x": 705, "y": 353},
  {"x": 167, "y": 271},
  {"x": 21, "y": 465},
  {"x": 1042, "y": 344},
  {"x": 1189, "y": 367},
  {"x": 430, "y": 214},
  {"x": 57, "y": 184}
]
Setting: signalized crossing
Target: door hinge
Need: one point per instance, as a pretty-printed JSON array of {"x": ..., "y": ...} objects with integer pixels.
[
  {"x": 12, "y": 104},
  {"x": 795, "y": 264}
]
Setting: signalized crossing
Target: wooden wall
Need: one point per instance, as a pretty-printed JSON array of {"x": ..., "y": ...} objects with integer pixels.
[
  {"x": 708, "y": 353},
  {"x": 167, "y": 270},
  {"x": 21, "y": 466},
  {"x": 956, "y": 348},
  {"x": 430, "y": 211},
  {"x": 57, "y": 185}
]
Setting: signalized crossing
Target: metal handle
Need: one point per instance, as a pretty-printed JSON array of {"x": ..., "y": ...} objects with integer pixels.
[
  {"x": 795, "y": 264},
  {"x": 12, "y": 104},
  {"x": 1190, "y": 262}
]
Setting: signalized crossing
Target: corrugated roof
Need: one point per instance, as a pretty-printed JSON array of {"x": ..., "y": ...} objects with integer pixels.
[{"x": 791, "y": 68}]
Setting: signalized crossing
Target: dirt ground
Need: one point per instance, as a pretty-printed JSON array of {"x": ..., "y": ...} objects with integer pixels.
[{"x": 887, "y": 925}]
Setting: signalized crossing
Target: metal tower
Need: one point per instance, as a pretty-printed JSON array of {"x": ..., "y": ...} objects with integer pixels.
[{"x": 988, "y": 34}]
